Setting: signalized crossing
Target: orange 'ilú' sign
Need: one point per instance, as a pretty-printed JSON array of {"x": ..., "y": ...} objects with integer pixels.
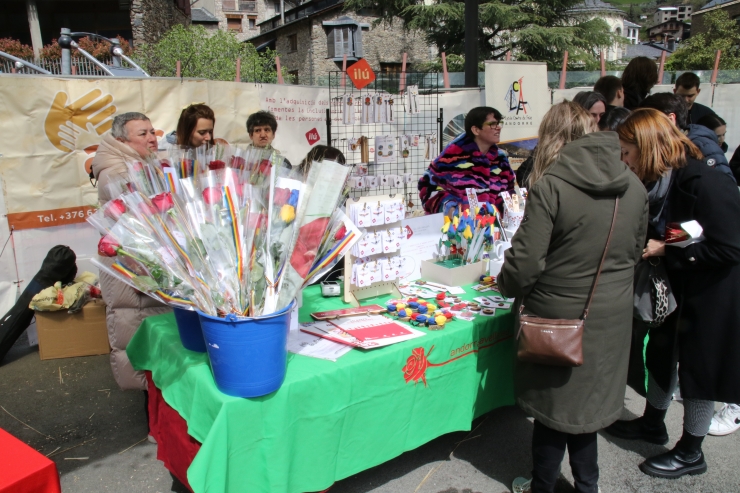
[{"x": 361, "y": 74}]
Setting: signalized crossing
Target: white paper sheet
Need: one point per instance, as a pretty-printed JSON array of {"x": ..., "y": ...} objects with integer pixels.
[{"x": 314, "y": 346}]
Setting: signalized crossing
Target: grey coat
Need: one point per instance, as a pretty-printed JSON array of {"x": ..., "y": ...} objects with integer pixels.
[{"x": 551, "y": 265}]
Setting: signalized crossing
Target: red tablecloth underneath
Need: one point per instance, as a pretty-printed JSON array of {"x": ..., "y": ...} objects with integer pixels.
[
  {"x": 24, "y": 470},
  {"x": 175, "y": 447}
]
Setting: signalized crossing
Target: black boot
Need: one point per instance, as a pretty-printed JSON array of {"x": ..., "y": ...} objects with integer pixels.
[
  {"x": 648, "y": 427},
  {"x": 685, "y": 458}
]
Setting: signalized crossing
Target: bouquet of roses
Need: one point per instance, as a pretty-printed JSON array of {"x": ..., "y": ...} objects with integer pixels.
[{"x": 226, "y": 232}]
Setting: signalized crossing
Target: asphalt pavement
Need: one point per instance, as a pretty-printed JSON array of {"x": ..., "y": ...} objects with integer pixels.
[{"x": 73, "y": 411}]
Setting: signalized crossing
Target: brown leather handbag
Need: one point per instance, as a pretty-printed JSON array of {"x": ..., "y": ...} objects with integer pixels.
[{"x": 557, "y": 341}]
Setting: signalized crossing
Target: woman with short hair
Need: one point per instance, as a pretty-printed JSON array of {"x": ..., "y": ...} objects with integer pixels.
[{"x": 472, "y": 160}]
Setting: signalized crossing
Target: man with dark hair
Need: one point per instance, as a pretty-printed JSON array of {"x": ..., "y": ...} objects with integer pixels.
[
  {"x": 610, "y": 87},
  {"x": 674, "y": 106},
  {"x": 261, "y": 127},
  {"x": 687, "y": 86},
  {"x": 472, "y": 160}
]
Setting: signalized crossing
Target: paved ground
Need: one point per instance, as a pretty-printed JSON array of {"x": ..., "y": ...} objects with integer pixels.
[{"x": 96, "y": 434}]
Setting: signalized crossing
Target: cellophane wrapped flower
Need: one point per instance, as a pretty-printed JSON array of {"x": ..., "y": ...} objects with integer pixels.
[{"x": 226, "y": 230}]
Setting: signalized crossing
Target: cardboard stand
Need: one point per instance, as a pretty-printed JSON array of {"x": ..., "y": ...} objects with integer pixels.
[{"x": 354, "y": 294}]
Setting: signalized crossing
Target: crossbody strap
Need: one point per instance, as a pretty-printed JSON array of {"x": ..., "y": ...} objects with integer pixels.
[
  {"x": 603, "y": 257},
  {"x": 601, "y": 264}
]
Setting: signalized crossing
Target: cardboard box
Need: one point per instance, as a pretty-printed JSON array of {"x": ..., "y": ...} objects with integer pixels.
[
  {"x": 452, "y": 276},
  {"x": 62, "y": 335}
]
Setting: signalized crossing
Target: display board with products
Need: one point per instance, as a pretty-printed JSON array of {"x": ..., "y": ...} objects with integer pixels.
[{"x": 389, "y": 135}]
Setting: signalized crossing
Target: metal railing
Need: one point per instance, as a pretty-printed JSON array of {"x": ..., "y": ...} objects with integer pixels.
[{"x": 82, "y": 66}]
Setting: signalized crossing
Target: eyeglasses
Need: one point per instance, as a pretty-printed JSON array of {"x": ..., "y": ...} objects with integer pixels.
[{"x": 493, "y": 124}]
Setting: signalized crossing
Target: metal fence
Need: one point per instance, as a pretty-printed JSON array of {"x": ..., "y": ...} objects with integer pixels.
[{"x": 82, "y": 66}]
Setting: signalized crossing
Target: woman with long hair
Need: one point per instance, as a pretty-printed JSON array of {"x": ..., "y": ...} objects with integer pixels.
[
  {"x": 701, "y": 335},
  {"x": 639, "y": 76},
  {"x": 550, "y": 268},
  {"x": 194, "y": 128}
]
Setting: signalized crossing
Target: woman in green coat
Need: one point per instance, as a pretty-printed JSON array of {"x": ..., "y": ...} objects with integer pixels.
[{"x": 550, "y": 268}]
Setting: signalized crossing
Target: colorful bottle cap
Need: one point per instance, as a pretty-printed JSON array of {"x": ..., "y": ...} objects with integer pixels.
[
  {"x": 402, "y": 313},
  {"x": 423, "y": 309},
  {"x": 440, "y": 296},
  {"x": 440, "y": 319},
  {"x": 391, "y": 307},
  {"x": 421, "y": 319}
]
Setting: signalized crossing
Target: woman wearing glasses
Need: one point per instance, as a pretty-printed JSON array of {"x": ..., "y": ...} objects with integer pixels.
[{"x": 472, "y": 160}]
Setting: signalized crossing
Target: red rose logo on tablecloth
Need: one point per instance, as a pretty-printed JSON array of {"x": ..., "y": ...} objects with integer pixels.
[
  {"x": 418, "y": 363},
  {"x": 416, "y": 366}
]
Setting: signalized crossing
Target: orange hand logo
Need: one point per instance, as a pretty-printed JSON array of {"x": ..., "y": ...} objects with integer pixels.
[{"x": 66, "y": 121}]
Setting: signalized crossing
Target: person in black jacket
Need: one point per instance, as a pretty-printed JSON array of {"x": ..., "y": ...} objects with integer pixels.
[
  {"x": 674, "y": 107},
  {"x": 639, "y": 76},
  {"x": 701, "y": 335},
  {"x": 715, "y": 123},
  {"x": 688, "y": 87},
  {"x": 734, "y": 164}
]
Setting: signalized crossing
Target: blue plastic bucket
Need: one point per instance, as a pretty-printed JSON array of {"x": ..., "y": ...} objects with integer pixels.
[
  {"x": 248, "y": 356},
  {"x": 191, "y": 335}
]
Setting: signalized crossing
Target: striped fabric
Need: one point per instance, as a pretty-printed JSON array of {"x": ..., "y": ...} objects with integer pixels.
[{"x": 461, "y": 165}]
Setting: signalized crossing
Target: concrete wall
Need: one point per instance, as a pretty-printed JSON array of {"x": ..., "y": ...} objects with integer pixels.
[{"x": 150, "y": 19}]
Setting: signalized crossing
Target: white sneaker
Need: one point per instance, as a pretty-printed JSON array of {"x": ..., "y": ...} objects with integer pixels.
[
  {"x": 725, "y": 421},
  {"x": 521, "y": 485}
]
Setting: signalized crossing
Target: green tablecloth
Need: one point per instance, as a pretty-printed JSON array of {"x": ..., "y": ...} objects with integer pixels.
[{"x": 330, "y": 420}]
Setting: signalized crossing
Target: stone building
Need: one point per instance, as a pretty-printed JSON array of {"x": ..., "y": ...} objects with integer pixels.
[
  {"x": 732, "y": 7},
  {"x": 150, "y": 19},
  {"x": 313, "y": 37},
  {"x": 676, "y": 30},
  {"x": 614, "y": 17},
  {"x": 241, "y": 17}
]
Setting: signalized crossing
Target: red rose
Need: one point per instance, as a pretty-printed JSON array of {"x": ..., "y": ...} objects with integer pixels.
[
  {"x": 212, "y": 195},
  {"x": 163, "y": 202},
  {"x": 214, "y": 165},
  {"x": 416, "y": 366},
  {"x": 165, "y": 163},
  {"x": 108, "y": 247},
  {"x": 114, "y": 209},
  {"x": 281, "y": 196},
  {"x": 340, "y": 234},
  {"x": 238, "y": 162},
  {"x": 95, "y": 292}
]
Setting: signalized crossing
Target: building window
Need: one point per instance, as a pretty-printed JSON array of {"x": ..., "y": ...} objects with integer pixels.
[
  {"x": 252, "y": 23},
  {"x": 292, "y": 43},
  {"x": 391, "y": 67},
  {"x": 344, "y": 40},
  {"x": 293, "y": 76},
  {"x": 234, "y": 23},
  {"x": 276, "y": 8}
]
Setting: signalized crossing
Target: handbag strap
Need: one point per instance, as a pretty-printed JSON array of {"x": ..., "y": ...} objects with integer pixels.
[
  {"x": 598, "y": 272},
  {"x": 601, "y": 264}
]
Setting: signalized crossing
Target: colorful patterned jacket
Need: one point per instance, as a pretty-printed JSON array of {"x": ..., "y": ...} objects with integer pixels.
[{"x": 461, "y": 165}]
